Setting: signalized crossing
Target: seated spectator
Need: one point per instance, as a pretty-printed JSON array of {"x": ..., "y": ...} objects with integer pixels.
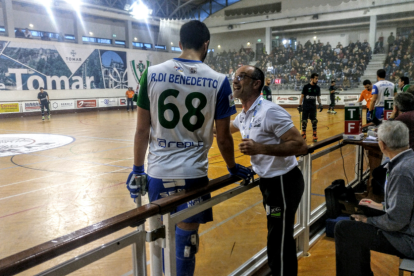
[
  {"x": 27, "y": 34},
  {"x": 397, "y": 61},
  {"x": 392, "y": 232},
  {"x": 404, "y": 112},
  {"x": 346, "y": 84},
  {"x": 19, "y": 33},
  {"x": 45, "y": 36}
]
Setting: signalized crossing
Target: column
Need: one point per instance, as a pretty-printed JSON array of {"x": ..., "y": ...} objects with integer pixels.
[
  {"x": 78, "y": 28},
  {"x": 372, "y": 31},
  {"x": 128, "y": 34},
  {"x": 268, "y": 40},
  {"x": 8, "y": 17}
]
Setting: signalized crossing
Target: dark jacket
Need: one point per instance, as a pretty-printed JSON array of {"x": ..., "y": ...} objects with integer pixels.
[{"x": 397, "y": 223}]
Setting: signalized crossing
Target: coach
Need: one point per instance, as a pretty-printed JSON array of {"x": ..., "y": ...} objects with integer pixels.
[{"x": 272, "y": 141}]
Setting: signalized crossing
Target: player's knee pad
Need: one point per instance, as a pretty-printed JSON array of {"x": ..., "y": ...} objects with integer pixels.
[
  {"x": 314, "y": 122},
  {"x": 186, "y": 246},
  {"x": 304, "y": 122}
]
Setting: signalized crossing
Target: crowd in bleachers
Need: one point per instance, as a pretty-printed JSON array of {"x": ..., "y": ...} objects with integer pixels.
[
  {"x": 291, "y": 68},
  {"x": 400, "y": 57}
]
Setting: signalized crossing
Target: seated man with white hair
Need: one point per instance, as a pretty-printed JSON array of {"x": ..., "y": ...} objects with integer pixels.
[{"x": 390, "y": 233}]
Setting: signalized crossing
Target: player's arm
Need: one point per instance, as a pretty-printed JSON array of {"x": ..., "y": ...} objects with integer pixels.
[
  {"x": 225, "y": 141},
  {"x": 374, "y": 97},
  {"x": 38, "y": 98},
  {"x": 319, "y": 100},
  {"x": 141, "y": 136},
  {"x": 301, "y": 99},
  {"x": 373, "y": 100},
  {"x": 47, "y": 96}
]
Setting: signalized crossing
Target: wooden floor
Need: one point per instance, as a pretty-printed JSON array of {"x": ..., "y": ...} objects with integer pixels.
[{"x": 47, "y": 194}]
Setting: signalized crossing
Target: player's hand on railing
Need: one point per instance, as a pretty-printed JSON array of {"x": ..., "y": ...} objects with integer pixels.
[
  {"x": 137, "y": 182},
  {"x": 300, "y": 109},
  {"x": 320, "y": 107},
  {"x": 244, "y": 173}
]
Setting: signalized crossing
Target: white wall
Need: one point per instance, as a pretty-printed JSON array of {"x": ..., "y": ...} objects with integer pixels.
[
  {"x": 23, "y": 16},
  {"x": 234, "y": 40}
]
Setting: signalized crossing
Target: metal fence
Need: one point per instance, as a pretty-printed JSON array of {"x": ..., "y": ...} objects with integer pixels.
[{"x": 345, "y": 161}]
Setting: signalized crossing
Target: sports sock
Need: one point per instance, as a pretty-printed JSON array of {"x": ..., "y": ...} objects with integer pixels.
[{"x": 186, "y": 243}]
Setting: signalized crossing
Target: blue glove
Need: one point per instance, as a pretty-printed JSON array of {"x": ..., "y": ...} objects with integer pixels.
[
  {"x": 369, "y": 116},
  {"x": 245, "y": 173},
  {"x": 137, "y": 182}
]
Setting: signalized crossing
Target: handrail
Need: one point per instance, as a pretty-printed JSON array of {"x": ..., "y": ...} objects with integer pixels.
[{"x": 41, "y": 253}]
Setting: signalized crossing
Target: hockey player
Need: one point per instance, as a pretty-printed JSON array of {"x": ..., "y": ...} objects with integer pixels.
[
  {"x": 178, "y": 103},
  {"x": 43, "y": 99},
  {"x": 310, "y": 93},
  {"x": 267, "y": 92},
  {"x": 332, "y": 93},
  {"x": 380, "y": 90}
]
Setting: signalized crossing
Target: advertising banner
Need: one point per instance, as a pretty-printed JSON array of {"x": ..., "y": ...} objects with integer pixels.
[
  {"x": 62, "y": 104},
  {"x": 86, "y": 103},
  {"x": 350, "y": 98},
  {"x": 291, "y": 99},
  {"x": 108, "y": 102},
  {"x": 30, "y": 106},
  {"x": 28, "y": 66},
  {"x": 9, "y": 107},
  {"x": 122, "y": 101},
  {"x": 137, "y": 64}
]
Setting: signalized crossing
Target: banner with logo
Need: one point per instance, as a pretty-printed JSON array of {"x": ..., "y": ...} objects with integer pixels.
[
  {"x": 138, "y": 63},
  {"x": 293, "y": 100},
  {"x": 30, "y": 106},
  {"x": 122, "y": 101},
  {"x": 108, "y": 102},
  {"x": 351, "y": 98},
  {"x": 9, "y": 107},
  {"x": 86, "y": 103},
  {"x": 28, "y": 66},
  {"x": 62, "y": 104}
]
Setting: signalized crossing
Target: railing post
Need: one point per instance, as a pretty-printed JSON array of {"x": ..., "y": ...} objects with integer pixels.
[
  {"x": 306, "y": 200},
  {"x": 139, "y": 255},
  {"x": 169, "y": 250},
  {"x": 360, "y": 163},
  {"x": 155, "y": 247}
]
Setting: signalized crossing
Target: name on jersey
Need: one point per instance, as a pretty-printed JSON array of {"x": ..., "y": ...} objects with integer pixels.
[
  {"x": 184, "y": 80},
  {"x": 176, "y": 144}
]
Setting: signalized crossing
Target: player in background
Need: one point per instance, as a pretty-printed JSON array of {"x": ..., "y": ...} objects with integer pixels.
[
  {"x": 380, "y": 90},
  {"x": 130, "y": 96},
  {"x": 178, "y": 103},
  {"x": 332, "y": 93},
  {"x": 43, "y": 99},
  {"x": 267, "y": 92},
  {"x": 366, "y": 94},
  {"x": 403, "y": 85},
  {"x": 310, "y": 93}
]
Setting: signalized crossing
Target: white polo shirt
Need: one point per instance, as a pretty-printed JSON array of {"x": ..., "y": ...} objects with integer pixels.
[{"x": 269, "y": 124}]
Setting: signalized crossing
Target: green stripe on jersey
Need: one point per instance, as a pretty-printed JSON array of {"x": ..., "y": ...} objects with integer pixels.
[{"x": 143, "y": 99}]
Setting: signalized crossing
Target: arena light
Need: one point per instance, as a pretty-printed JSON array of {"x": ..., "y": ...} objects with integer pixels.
[
  {"x": 284, "y": 41},
  {"x": 139, "y": 10}
]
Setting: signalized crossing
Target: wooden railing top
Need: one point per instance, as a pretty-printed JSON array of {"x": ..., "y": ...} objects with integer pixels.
[{"x": 41, "y": 253}]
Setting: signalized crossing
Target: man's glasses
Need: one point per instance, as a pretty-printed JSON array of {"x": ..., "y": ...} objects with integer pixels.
[{"x": 241, "y": 77}]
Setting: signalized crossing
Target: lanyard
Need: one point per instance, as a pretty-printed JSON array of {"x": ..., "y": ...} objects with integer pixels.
[{"x": 246, "y": 134}]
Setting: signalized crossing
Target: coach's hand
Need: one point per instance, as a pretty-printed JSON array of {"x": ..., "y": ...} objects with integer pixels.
[
  {"x": 245, "y": 173},
  {"x": 137, "y": 182},
  {"x": 249, "y": 147}
]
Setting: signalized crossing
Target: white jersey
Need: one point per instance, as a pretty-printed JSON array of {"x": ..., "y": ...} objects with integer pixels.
[
  {"x": 382, "y": 89},
  {"x": 184, "y": 98},
  {"x": 266, "y": 127}
]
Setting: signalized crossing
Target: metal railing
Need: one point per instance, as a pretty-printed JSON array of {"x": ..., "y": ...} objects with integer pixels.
[{"x": 162, "y": 235}]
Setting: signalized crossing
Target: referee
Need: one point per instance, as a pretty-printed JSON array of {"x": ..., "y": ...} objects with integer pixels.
[{"x": 272, "y": 141}]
